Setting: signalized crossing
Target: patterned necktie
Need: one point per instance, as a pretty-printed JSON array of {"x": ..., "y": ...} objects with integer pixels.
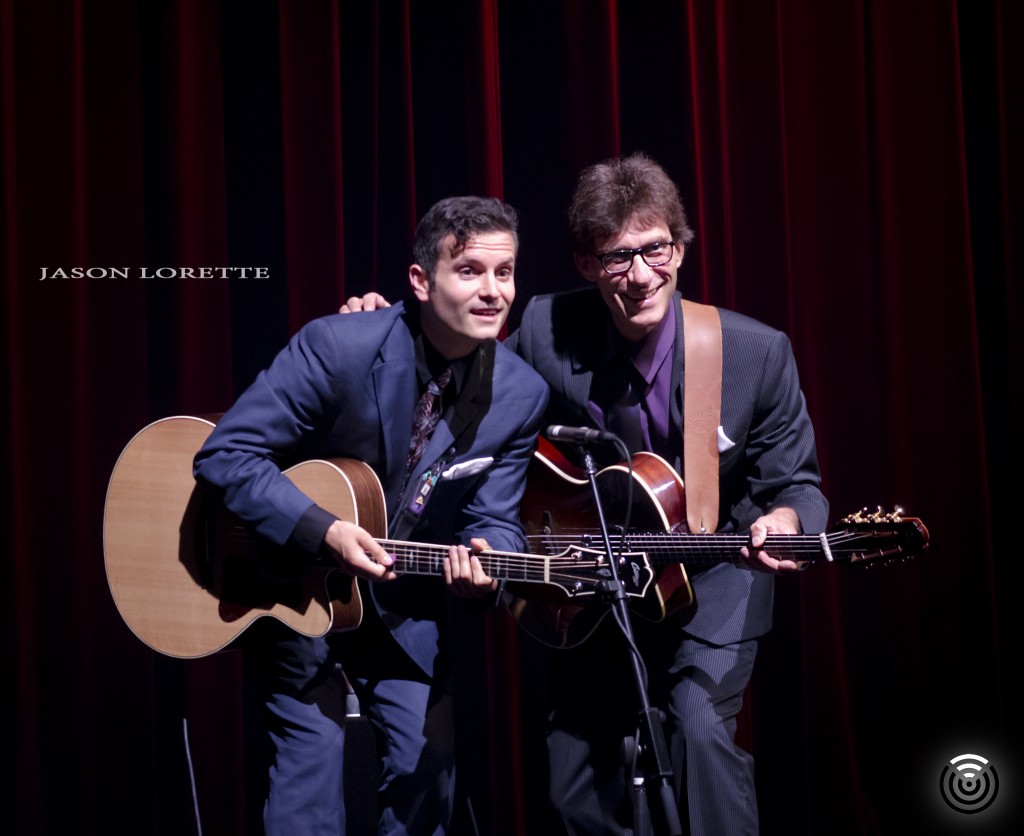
[{"x": 425, "y": 418}]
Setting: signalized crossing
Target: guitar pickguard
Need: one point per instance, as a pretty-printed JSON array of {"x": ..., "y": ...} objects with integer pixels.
[{"x": 559, "y": 503}]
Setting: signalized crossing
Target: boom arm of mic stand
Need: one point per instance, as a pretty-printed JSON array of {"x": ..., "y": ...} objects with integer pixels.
[{"x": 652, "y": 732}]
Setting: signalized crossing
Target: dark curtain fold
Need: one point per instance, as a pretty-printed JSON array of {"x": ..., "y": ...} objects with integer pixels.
[
  {"x": 311, "y": 153},
  {"x": 852, "y": 172}
]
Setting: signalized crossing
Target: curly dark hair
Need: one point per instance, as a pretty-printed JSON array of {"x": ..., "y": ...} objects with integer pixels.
[
  {"x": 611, "y": 192},
  {"x": 461, "y": 217}
]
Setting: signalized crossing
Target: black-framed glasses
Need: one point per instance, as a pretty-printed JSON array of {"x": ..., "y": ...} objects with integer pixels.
[{"x": 654, "y": 255}]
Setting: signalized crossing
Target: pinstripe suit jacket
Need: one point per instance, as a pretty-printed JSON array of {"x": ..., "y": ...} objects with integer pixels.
[{"x": 773, "y": 461}]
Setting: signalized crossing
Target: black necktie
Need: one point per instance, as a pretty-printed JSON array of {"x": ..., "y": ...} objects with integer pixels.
[
  {"x": 623, "y": 415},
  {"x": 425, "y": 418}
]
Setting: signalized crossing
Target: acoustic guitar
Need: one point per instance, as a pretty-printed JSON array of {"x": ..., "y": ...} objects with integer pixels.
[
  {"x": 558, "y": 509},
  {"x": 188, "y": 577}
]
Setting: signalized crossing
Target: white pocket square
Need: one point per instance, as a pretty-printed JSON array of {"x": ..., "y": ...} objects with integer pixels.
[
  {"x": 724, "y": 442},
  {"x": 462, "y": 469}
]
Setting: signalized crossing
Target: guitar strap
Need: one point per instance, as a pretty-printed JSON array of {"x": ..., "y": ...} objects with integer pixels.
[{"x": 702, "y": 406}]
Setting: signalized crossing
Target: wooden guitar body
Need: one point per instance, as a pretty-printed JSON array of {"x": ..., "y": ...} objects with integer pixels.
[
  {"x": 160, "y": 535},
  {"x": 559, "y": 505},
  {"x": 559, "y": 509}
]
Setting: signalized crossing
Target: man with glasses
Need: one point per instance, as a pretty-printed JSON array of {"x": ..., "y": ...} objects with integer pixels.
[{"x": 613, "y": 357}]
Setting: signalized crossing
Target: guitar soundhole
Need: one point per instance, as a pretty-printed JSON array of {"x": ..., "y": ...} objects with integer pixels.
[
  {"x": 194, "y": 539},
  {"x": 246, "y": 572},
  {"x": 265, "y": 576}
]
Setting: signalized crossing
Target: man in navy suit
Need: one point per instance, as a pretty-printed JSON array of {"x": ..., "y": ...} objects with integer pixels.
[
  {"x": 347, "y": 386},
  {"x": 613, "y": 357}
]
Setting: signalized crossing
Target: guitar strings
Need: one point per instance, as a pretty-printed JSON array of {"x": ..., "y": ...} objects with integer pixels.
[
  {"x": 421, "y": 558},
  {"x": 414, "y": 558},
  {"x": 696, "y": 545}
]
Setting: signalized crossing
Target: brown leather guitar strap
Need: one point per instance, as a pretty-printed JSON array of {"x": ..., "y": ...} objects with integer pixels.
[{"x": 702, "y": 406}]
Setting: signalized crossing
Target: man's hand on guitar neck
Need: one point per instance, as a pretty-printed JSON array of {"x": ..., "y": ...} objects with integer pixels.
[
  {"x": 358, "y": 553},
  {"x": 464, "y": 573},
  {"x": 779, "y": 521}
]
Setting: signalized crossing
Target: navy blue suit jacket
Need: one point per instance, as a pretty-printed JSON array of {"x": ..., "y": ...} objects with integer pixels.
[
  {"x": 346, "y": 386},
  {"x": 772, "y": 463}
]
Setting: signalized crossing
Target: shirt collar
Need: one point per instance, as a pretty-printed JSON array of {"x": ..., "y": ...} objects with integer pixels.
[
  {"x": 430, "y": 363},
  {"x": 649, "y": 354}
]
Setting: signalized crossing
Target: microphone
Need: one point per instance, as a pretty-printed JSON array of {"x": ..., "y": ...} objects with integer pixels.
[{"x": 579, "y": 435}]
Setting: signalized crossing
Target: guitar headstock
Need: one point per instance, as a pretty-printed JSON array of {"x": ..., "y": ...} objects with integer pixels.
[
  {"x": 883, "y": 536},
  {"x": 582, "y": 571}
]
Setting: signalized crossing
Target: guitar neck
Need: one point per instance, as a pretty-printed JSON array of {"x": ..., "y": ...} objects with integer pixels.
[
  {"x": 701, "y": 551},
  {"x": 428, "y": 559},
  {"x": 705, "y": 550},
  {"x": 557, "y": 510}
]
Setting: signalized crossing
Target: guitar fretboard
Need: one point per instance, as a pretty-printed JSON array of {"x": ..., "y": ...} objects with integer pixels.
[
  {"x": 575, "y": 568},
  {"x": 426, "y": 559},
  {"x": 704, "y": 550}
]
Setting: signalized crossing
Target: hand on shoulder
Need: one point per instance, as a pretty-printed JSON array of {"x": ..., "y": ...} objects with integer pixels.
[{"x": 372, "y": 301}]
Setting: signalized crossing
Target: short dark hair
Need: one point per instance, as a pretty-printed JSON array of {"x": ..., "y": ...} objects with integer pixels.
[
  {"x": 611, "y": 192},
  {"x": 461, "y": 217}
]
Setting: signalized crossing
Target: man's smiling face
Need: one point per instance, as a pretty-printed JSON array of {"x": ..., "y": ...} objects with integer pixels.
[{"x": 640, "y": 297}]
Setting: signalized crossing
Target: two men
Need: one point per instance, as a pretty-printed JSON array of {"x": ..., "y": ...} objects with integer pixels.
[
  {"x": 613, "y": 357},
  {"x": 348, "y": 386}
]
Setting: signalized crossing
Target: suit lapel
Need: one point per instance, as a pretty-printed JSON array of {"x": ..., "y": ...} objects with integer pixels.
[
  {"x": 395, "y": 413},
  {"x": 583, "y": 315},
  {"x": 394, "y": 378},
  {"x": 577, "y": 381}
]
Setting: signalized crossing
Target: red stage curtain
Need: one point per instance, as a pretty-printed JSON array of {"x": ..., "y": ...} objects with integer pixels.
[{"x": 852, "y": 172}]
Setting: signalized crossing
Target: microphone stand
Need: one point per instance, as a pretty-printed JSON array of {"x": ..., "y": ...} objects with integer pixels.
[{"x": 652, "y": 744}]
